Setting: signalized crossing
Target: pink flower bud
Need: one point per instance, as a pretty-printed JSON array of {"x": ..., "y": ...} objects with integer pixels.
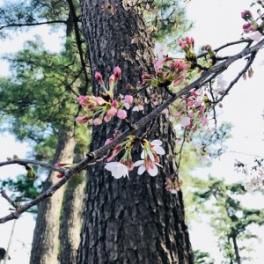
[
  {"x": 129, "y": 99},
  {"x": 248, "y": 27},
  {"x": 112, "y": 80},
  {"x": 117, "y": 72},
  {"x": 114, "y": 103},
  {"x": 81, "y": 119},
  {"x": 189, "y": 40},
  {"x": 182, "y": 44},
  {"x": 60, "y": 175},
  {"x": 99, "y": 100},
  {"x": 82, "y": 100},
  {"x": 107, "y": 118},
  {"x": 98, "y": 77},
  {"x": 111, "y": 112},
  {"x": 246, "y": 14},
  {"x": 122, "y": 114},
  {"x": 97, "y": 121}
]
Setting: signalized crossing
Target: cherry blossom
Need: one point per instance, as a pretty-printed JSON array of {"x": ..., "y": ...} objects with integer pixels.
[
  {"x": 147, "y": 165},
  {"x": 117, "y": 169}
]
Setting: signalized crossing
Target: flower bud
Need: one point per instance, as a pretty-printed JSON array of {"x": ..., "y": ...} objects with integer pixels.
[
  {"x": 117, "y": 72},
  {"x": 122, "y": 114},
  {"x": 98, "y": 77}
]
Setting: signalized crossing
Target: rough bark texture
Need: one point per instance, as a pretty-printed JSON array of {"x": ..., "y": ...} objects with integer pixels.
[
  {"x": 128, "y": 220},
  {"x": 71, "y": 219},
  {"x": 45, "y": 245}
]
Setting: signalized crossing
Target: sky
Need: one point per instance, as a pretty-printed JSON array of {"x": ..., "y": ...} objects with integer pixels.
[{"x": 215, "y": 23}]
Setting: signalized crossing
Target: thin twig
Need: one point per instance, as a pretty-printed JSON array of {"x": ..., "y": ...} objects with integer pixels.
[
  {"x": 33, "y": 24},
  {"x": 25, "y": 162},
  {"x": 5, "y": 196}
]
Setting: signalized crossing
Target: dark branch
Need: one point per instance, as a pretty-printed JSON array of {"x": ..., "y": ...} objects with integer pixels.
[
  {"x": 33, "y": 24},
  {"x": 5, "y": 196},
  {"x": 25, "y": 162},
  {"x": 78, "y": 41}
]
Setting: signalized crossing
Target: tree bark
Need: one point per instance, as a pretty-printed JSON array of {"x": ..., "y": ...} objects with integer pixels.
[
  {"x": 71, "y": 220},
  {"x": 45, "y": 245},
  {"x": 131, "y": 220}
]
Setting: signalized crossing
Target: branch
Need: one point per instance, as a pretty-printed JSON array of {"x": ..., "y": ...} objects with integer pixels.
[
  {"x": 5, "y": 196},
  {"x": 78, "y": 40},
  {"x": 244, "y": 70},
  {"x": 33, "y": 24},
  {"x": 95, "y": 155},
  {"x": 25, "y": 162}
]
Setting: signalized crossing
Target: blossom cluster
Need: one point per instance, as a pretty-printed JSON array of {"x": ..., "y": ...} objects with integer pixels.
[
  {"x": 193, "y": 113},
  {"x": 252, "y": 24},
  {"x": 149, "y": 162},
  {"x": 99, "y": 109},
  {"x": 168, "y": 72}
]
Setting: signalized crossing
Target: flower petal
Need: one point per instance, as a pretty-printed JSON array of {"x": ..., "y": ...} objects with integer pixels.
[
  {"x": 159, "y": 150},
  {"x": 139, "y": 163},
  {"x": 141, "y": 170},
  {"x": 153, "y": 171},
  {"x": 156, "y": 142}
]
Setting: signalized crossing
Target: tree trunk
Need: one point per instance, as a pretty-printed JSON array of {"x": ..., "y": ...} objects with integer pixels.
[
  {"x": 71, "y": 221},
  {"x": 131, "y": 220},
  {"x": 45, "y": 245}
]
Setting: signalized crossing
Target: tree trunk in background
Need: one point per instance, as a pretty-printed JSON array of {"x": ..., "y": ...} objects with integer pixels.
[
  {"x": 131, "y": 220},
  {"x": 45, "y": 245},
  {"x": 71, "y": 219}
]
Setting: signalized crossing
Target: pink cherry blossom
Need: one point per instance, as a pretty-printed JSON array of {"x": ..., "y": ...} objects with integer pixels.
[
  {"x": 128, "y": 101},
  {"x": 111, "y": 112},
  {"x": 147, "y": 165},
  {"x": 122, "y": 114},
  {"x": 107, "y": 118},
  {"x": 82, "y": 100},
  {"x": 99, "y": 100},
  {"x": 82, "y": 119}
]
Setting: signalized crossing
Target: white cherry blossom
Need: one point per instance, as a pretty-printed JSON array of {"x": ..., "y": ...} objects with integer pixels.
[
  {"x": 156, "y": 145},
  {"x": 117, "y": 169},
  {"x": 147, "y": 165}
]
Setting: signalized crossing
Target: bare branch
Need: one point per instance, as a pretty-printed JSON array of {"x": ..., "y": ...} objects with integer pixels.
[
  {"x": 33, "y": 24},
  {"x": 240, "y": 74},
  {"x": 25, "y": 162},
  {"x": 78, "y": 41},
  {"x": 4, "y": 195},
  {"x": 95, "y": 155}
]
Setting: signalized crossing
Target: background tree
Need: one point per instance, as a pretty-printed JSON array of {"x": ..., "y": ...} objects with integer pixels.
[
  {"x": 230, "y": 220},
  {"x": 43, "y": 80}
]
